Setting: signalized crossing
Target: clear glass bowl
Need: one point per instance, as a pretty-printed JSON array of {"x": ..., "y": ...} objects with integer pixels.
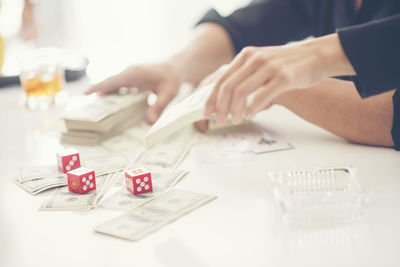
[{"x": 321, "y": 197}]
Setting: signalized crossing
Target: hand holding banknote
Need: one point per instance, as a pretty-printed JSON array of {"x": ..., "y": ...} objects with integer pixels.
[{"x": 161, "y": 79}]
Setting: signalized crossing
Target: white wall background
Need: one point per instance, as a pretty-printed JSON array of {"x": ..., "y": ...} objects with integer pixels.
[{"x": 112, "y": 33}]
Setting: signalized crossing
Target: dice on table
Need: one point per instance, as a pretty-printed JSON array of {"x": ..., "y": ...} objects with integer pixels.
[
  {"x": 81, "y": 180},
  {"x": 68, "y": 160},
  {"x": 138, "y": 181}
]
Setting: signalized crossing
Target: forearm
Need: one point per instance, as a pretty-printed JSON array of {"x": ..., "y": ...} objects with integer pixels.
[
  {"x": 208, "y": 48},
  {"x": 336, "y": 106}
]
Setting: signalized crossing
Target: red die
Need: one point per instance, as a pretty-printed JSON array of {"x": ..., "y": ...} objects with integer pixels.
[
  {"x": 138, "y": 181},
  {"x": 81, "y": 180},
  {"x": 68, "y": 160}
]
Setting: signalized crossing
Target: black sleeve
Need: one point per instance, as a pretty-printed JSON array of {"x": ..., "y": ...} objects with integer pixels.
[
  {"x": 396, "y": 120},
  {"x": 374, "y": 52},
  {"x": 268, "y": 22}
]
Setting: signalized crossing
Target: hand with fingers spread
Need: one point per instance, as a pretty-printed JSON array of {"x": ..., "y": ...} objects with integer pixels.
[
  {"x": 266, "y": 72},
  {"x": 162, "y": 79}
]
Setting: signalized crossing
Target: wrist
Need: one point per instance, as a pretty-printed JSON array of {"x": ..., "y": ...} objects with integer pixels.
[{"x": 331, "y": 59}]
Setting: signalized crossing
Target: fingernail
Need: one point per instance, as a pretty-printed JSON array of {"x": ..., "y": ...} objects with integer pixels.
[
  {"x": 249, "y": 116},
  {"x": 221, "y": 119},
  {"x": 236, "y": 121}
]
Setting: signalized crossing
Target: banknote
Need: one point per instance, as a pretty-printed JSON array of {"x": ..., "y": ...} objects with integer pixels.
[
  {"x": 92, "y": 108},
  {"x": 163, "y": 156},
  {"x": 162, "y": 180},
  {"x": 106, "y": 164},
  {"x": 62, "y": 199},
  {"x": 153, "y": 215},
  {"x": 178, "y": 116},
  {"x": 121, "y": 142},
  {"x": 35, "y": 180},
  {"x": 39, "y": 185},
  {"x": 38, "y": 172}
]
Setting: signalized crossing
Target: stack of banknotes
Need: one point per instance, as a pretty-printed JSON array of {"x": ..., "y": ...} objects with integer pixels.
[{"x": 91, "y": 119}]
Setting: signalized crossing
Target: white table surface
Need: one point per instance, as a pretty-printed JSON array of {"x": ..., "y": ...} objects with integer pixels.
[{"x": 240, "y": 228}]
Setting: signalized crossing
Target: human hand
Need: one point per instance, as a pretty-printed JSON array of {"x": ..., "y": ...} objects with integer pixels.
[
  {"x": 266, "y": 72},
  {"x": 162, "y": 79},
  {"x": 202, "y": 125}
]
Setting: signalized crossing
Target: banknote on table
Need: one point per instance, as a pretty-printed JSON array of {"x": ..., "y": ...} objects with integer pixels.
[
  {"x": 178, "y": 116},
  {"x": 38, "y": 172},
  {"x": 163, "y": 156},
  {"x": 37, "y": 186},
  {"x": 153, "y": 215},
  {"x": 37, "y": 179},
  {"x": 173, "y": 149},
  {"x": 162, "y": 179},
  {"x": 106, "y": 164},
  {"x": 91, "y": 113},
  {"x": 90, "y": 137},
  {"x": 62, "y": 199},
  {"x": 121, "y": 142}
]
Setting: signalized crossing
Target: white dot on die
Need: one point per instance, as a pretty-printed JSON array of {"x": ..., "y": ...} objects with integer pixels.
[
  {"x": 138, "y": 181},
  {"x": 84, "y": 179},
  {"x": 142, "y": 184},
  {"x": 139, "y": 189},
  {"x": 87, "y": 182},
  {"x": 74, "y": 158},
  {"x": 146, "y": 186},
  {"x": 146, "y": 179},
  {"x": 90, "y": 177},
  {"x": 67, "y": 168},
  {"x": 85, "y": 187},
  {"x": 71, "y": 163},
  {"x": 91, "y": 185}
]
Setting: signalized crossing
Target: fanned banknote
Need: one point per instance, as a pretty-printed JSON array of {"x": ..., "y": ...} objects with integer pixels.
[
  {"x": 62, "y": 199},
  {"x": 178, "y": 116},
  {"x": 154, "y": 214},
  {"x": 162, "y": 180},
  {"x": 173, "y": 150}
]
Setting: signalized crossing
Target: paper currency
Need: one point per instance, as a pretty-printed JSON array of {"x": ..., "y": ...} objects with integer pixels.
[
  {"x": 163, "y": 156},
  {"x": 162, "y": 179},
  {"x": 172, "y": 150},
  {"x": 154, "y": 214},
  {"x": 37, "y": 186},
  {"x": 106, "y": 164},
  {"x": 121, "y": 142},
  {"x": 38, "y": 172},
  {"x": 82, "y": 110},
  {"x": 62, "y": 199},
  {"x": 35, "y": 180},
  {"x": 178, "y": 116},
  {"x": 91, "y": 120}
]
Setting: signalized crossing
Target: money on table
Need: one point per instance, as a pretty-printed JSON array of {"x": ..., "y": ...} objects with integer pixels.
[{"x": 154, "y": 214}]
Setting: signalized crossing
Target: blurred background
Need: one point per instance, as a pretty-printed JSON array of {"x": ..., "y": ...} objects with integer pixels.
[{"x": 110, "y": 33}]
